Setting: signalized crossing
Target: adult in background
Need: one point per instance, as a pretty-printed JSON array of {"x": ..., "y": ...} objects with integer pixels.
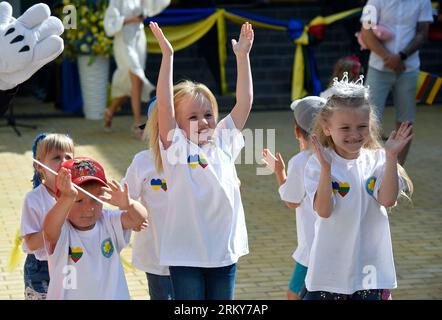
[
  {"x": 124, "y": 21},
  {"x": 394, "y": 64}
]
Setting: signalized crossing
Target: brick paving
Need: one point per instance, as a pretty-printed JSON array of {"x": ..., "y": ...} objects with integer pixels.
[{"x": 265, "y": 272}]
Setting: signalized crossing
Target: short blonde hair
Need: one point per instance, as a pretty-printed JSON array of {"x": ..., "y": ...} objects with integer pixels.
[{"x": 52, "y": 141}]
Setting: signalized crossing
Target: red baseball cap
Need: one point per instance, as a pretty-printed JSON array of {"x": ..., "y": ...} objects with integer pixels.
[{"x": 85, "y": 169}]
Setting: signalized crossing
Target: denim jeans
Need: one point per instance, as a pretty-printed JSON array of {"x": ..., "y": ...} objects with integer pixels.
[
  {"x": 375, "y": 294},
  {"x": 160, "y": 287},
  {"x": 36, "y": 277},
  {"x": 403, "y": 86},
  {"x": 194, "y": 283}
]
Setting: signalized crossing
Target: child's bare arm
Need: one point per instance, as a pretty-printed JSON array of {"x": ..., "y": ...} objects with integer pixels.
[
  {"x": 244, "y": 83},
  {"x": 166, "y": 112},
  {"x": 57, "y": 215},
  {"x": 277, "y": 166},
  {"x": 389, "y": 189},
  {"x": 34, "y": 241},
  {"x": 322, "y": 202},
  {"x": 135, "y": 214}
]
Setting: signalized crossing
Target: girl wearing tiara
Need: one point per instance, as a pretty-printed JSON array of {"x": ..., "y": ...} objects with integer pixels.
[{"x": 351, "y": 181}]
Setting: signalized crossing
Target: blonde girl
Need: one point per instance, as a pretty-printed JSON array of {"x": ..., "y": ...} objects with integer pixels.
[
  {"x": 50, "y": 149},
  {"x": 204, "y": 230},
  {"x": 350, "y": 182}
]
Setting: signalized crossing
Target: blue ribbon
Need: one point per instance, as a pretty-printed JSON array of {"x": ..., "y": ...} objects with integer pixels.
[
  {"x": 173, "y": 17},
  {"x": 38, "y": 138},
  {"x": 295, "y": 28}
]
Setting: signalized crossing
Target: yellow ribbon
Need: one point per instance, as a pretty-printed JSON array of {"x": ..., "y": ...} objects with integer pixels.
[
  {"x": 14, "y": 257},
  {"x": 298, "y": 90},
  {"x": 127, "y": 265},
  {"x": 184, "y": 35}
]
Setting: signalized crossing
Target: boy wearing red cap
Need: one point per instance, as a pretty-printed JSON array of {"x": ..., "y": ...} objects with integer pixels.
[{"x": 84, "y": 240}]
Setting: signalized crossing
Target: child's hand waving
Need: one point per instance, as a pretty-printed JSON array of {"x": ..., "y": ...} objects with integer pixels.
[
  {"x": 118, "y": 196},
  {"x": 398, "y": 139},
  {"x": 275, "y": 164},
  {"x": 244, "y": 44},
  {"x": 166, "y": 47},
  {"x": 323, "y": 158}
]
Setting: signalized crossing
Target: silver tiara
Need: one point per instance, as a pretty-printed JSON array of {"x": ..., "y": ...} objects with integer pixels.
[{"x": 352, "y": 89}]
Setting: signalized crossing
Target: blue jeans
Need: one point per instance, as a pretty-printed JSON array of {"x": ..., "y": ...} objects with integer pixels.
[
  {"x": 375, "y": 294},
  {"x": 403, "y": 85},
  {"x": 36, "y": 276},
  {"x": 160, "y": 287},
  {"x": 194, "y": 283}
]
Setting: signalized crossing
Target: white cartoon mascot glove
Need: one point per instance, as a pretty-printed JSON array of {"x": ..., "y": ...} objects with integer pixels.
[{"x": 27, "y": 43}]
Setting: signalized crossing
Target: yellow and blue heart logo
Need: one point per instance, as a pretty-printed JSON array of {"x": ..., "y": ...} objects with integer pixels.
[
  {"x": 193, "y": 160},
  {"x": 107, "y": 248},
  {"x": 369, "y": 185},
  {"x": 158, "y": 184}
]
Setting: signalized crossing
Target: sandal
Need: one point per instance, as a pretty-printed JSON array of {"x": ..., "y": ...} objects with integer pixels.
[{"x": 108, "y": 120}]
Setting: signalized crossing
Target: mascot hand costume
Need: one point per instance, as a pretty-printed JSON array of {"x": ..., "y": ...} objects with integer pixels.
[{"x": 27, "y": 43}]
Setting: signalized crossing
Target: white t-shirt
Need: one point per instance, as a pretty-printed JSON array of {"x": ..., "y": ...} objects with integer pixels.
[
  {"x": 37, "y": 204},
  {"x": 293, "y": 191},
  {"x": 150, "y": 188},
  {"x": 205, "y": 224},
  {"x": 352, "y": 248},
  {"x": 401, "y": 17},
  {"x": 86, "y": 265}
]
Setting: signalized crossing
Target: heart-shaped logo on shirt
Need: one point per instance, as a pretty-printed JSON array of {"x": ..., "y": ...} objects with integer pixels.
[
  {"x": 163, "y": 184},
  {"x": 156, "y": 184},
  {"x": 75, "y": 253},
  {"x": 193, "y": 160},
  {"x": 202, "y": 161},
  {"x": 341, "y": 187}
]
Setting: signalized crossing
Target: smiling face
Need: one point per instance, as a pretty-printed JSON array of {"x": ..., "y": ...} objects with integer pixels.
[
  {"x": 349, "y": 129},
  {"x": 195, "y": 116},
  {"x": 86, "y": 211}
]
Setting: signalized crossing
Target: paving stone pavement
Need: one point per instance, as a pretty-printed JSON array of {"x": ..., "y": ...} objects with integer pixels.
[{"x": 265, "y": 272}]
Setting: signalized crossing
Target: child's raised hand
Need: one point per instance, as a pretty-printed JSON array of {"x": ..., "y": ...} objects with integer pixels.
[
  {"x": 398, "y": 139},
  {"x": 323, "y": 158},
  {"x": 142, "y": 227},
  {"x": 166, "y": 47},
  {"x": 244, "y": 44},
  {"x": 275, "y": 164},
  {"x": 118, "y": 196},
  {"x": 64, "y": 184}
]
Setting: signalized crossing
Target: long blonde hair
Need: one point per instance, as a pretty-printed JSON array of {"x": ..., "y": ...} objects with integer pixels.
[
  {"x": 45, "y": 144},
  {"x": 184, "y": 89},
  {"x": 336, "y": 102}
]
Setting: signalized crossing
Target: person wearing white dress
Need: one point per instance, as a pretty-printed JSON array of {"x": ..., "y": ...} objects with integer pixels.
[{"x": 124, "y": 21}]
